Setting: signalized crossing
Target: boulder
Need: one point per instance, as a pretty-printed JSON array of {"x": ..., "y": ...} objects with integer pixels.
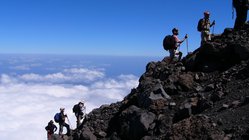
[
  {"x": 134, "y": 123},
  {"x": 186, "y": 81}
]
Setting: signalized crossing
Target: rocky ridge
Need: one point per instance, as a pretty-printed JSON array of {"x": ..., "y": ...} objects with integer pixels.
[{"x": 206, "y": 96}]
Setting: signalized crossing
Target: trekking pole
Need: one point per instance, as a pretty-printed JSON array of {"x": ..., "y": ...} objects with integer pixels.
[
  {"x": 178, "y": 47},
  {"x": 187, "y": 45},
  {"x": 68, "y": 121},
  {"x": 213, "y": 30}
]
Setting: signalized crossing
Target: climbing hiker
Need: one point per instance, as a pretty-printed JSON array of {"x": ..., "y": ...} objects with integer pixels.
[
  {"x": 62, "y": 122},
  {"x": 241, "y": 8},
  {"x": 78, "y": 110},
  {"x": 204, "y": 27},
  {"x": 175, "y": 43},
  {"x": 50, "y": 128}
]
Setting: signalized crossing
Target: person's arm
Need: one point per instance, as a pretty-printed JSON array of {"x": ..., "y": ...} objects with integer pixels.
[
  {"x": 55, "y": 128},
  {"x": 213, "y": 23},
  {"x": 186, "y": 36}
]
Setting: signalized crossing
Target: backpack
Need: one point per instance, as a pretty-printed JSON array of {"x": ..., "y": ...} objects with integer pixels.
[
  {"x": 199, "y": 26},
  {"x": 76, "y": 108},
  {"x": 168, "y": 42},
  {"x": 57, "y": 117}
]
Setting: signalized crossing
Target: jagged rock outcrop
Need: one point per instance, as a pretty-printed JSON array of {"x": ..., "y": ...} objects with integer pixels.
[
  {"x": 221, "y": 53},
  {"x": 204, "y": 97}
]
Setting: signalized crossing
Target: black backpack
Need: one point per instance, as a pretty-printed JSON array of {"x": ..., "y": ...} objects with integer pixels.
[
  {"x": 168, "y": 42},
  {"x": 76, "y": 108},
  {"x": 199, "y": 26}
]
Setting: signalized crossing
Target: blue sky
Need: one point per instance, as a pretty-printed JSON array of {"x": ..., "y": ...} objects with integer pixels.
[{"x": 103, "y": 27}]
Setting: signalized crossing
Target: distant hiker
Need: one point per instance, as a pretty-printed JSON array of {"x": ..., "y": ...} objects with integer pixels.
[
  {"x": 50, "y": 128},
  {"x": 241, "y": 7},
  {"x": 61, "y": 118},
  {"x": 204, "y": 27},
  {"x": 78, "y": 110},
  {"x": 171, "y": 43}
]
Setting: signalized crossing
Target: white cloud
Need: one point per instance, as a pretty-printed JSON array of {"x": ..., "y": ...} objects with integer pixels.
[
  {"x": 67, "y": 75},
  {"x": 85, "y": 73},
  {"x": 29, "y": 101},
  {"x": 5, "y": 79}
]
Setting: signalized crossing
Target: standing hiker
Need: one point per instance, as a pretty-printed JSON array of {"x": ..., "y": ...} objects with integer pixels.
[
  {"x": 61, "y": 118},
  {"x": 78, "y": 110},
  {"x": 241, "y": 7},
  {"x": 204, "y": 27},
  {"x": 50, "y": 128}
]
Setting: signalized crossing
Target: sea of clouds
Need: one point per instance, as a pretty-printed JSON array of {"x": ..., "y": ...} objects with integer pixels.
[{"x": 29, "y": 99}]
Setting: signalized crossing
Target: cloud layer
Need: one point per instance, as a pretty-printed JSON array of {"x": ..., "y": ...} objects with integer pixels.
[{"x": 30, "y": 100}]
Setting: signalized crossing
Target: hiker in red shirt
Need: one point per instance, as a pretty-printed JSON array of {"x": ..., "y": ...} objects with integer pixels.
[
  {"x": 173, "y": 51},
  {"x": 50, "y": 128}
]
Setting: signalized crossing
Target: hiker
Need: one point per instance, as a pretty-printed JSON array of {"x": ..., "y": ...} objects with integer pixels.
[
  {"x": 204, "y": 27},
  {"x": 78, "y": 111},
  {"x": 62, "y": 122},
  {"x": 173, "y": 50},
  {"x": 241, "y": 7},
  {"x": 50, "y": 128}
]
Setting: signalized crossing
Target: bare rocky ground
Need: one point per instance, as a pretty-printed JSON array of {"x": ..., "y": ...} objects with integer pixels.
[{"x": 203, "y": 97}]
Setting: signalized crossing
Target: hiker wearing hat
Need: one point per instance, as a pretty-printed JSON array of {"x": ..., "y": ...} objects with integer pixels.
[
  {"x": 204, "y": 27},
  {"x": 62, "y": 122},
  {"x": 78, "y": 111},
  {"x": 50, "y": 128},
  {"x": 177, "y": 42},
  {"x": 241, "y": 7}
]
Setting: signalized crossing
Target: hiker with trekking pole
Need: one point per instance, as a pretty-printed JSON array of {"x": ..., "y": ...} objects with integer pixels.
[
  {"x": 204, "y": 26},
  {"x": 61, "y": 119},
  {"x": 172, "y": 44}
]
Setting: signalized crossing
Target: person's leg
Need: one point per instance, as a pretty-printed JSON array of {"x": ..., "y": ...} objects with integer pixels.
[
  {"x": 79, "y": 120},
  {"x": 179, "y": 56},
  {"x": 202, "y": 37},
  {"x": 171, "y": 55},
  {"x": 60, "y": 128},
  {"x": 48, "y": 136},
  {"x": 68, "y": 128},
  {"x": 239, "y": 18},
  {"x": 208, "y": 36}
]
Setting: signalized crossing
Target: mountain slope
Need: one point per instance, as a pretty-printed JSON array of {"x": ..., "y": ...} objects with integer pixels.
[{"x": 203, "y": 97}]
